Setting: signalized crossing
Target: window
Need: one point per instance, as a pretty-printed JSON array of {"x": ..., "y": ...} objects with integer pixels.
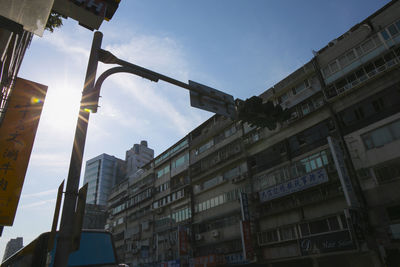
[
  {"x": 383, "y": 135},
  {"x": 368, "y": 45},
  {"x": 180, "y": 161},
  {"x": 389, "y": 58},
  {"x": 385, "y": 35},
  {"x": 359, "y": 113},
  {"x": 205, "y": 146},
  {"x": 326, "y": 71},
  {"x": 287, "y": 233},
  {"x": 378, "y": 104},
  {"x": 387, "y": 172},
  {"x": 334, "y": 66},
  {"x": 163, "y": 171},
  {"x": 343, "y": 61},
  {"x": 393, "y": 212},
  {"x": 395, "y": 230},
  {"x": 361, "y": 74},
  {"x": 333, "y": 223},
  {"x": 300, "y": 87},
  {"x": 268, "y": 237},
  {"x": 393, "y": 30},
  {"x": 350, "y": 55},
  {"x": 377, "y": 40},
  {"x": 283, "y": 98}
]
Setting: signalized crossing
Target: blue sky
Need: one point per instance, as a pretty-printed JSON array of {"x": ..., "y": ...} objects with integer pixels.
[{"x": 240, "y": 47}]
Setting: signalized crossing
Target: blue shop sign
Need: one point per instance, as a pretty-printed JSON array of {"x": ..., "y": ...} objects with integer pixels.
[
  {"x": 298, "y": 184},
  {"x": 235, "y": 258}
]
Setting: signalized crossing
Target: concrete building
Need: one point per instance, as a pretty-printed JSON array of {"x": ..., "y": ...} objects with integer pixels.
[
  {"x": 319, "y": 190},
  {"x": 138, "y": 156},
  {"x": 12, "y": 246}
]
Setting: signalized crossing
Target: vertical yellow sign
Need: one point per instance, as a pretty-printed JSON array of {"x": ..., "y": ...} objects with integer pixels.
[{"x": 17, "y": 133}]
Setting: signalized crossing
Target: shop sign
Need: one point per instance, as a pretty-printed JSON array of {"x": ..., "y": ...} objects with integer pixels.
[
  {"x": 235, "y": 258},
  {"x": 17, "y": 133},
  {"x": 244, "y": 204},
  {"x": 183, "y": 240},
  {"x": 343, "y": 174},
  {"x": 299, "y": 184},
  {"x": 326, "y": 243},
  {"x": 174, "y": 263},
  {"x": 248, "y": 251},
  {"x": 207, "y": 261}
]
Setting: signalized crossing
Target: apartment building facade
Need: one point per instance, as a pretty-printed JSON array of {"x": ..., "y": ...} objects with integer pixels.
[{"x": 319, "y": 190}]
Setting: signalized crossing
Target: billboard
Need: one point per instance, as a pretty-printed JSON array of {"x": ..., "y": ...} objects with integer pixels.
[{"x": 17, "y": 133}]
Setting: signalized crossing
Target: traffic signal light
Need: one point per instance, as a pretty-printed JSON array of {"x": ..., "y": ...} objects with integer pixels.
[{"x": 259, "y": 114}]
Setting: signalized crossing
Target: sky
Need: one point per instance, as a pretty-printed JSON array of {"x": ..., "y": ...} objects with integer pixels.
[{"x": 241, "y": 47}]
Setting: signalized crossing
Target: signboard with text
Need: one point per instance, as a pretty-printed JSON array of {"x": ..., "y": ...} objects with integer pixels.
[
  {"x": 17, "y": 133},
  {"x": 343, "y": 173},
  {"x": 183, "y": 240},
  {"x": 298, "y": 184},
  {"x": 325, "y": 243},
  {"x": 207, "y": 261},
  {"x": 245, "y": 229},
  {"x": 220, "y": 103},
  {"x": 244, "y": 204}
]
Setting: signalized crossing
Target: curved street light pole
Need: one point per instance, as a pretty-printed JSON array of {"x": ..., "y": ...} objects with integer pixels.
[{"x": 89, "y": 101}]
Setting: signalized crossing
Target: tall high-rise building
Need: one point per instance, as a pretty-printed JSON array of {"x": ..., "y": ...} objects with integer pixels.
[
  {"x": 101, "y": 173},
  {"x": 138, "y": 156},
  {"x": 12, "y": 246}
]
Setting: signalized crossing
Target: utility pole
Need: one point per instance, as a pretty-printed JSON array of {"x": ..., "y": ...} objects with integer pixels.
[{"x": 64, "y": 242}]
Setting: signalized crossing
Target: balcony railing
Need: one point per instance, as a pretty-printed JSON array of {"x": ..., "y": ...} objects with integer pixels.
[{"x": 363, "y": 74}]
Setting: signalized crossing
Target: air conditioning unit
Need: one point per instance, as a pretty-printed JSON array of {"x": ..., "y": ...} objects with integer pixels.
[
  {"x": 215, "y": 233},
  {"x": 198, "y": 237}
]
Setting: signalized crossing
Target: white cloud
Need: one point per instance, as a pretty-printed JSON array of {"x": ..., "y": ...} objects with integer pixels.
[
  {"x": 40, "y": 194},
  {"x": 51, "y": 162},
  {"x": 38, "y": 204}
]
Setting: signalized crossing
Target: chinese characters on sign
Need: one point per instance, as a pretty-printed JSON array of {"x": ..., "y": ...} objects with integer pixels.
[
  {"x": 17, "y": 133},
  {"x": 341, "y": 168},
  {"x": 298, "y": 184}
]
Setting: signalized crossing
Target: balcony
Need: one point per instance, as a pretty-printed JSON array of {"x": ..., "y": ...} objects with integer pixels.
[
  {"x": 364, "y": 74},
  {"x": 322, "y": 193}
]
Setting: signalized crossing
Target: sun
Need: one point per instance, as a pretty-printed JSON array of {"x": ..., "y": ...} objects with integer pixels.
[{"x": 61, "y": 107}]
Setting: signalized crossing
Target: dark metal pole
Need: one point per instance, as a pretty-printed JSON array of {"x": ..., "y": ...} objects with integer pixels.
[{"x": 64, "y": 242}]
